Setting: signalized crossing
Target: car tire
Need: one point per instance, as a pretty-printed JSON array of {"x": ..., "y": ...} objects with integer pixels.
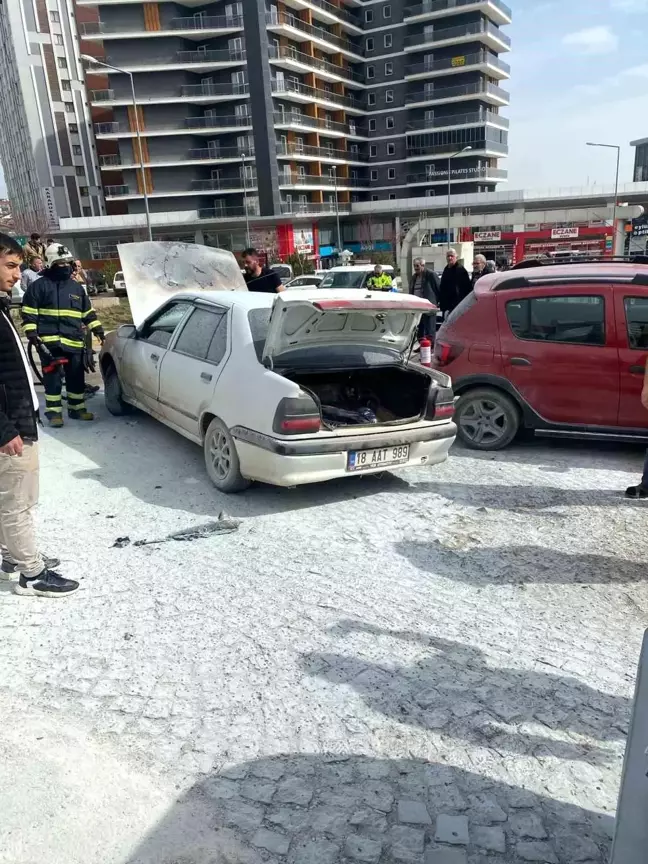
[
  {"x": 486, "y": 418},
  {"x": 113, "y": 393},
  {"x": 221, "y": 459}
]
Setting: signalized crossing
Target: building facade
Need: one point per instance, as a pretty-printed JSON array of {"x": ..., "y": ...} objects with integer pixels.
[
  {"x": 46, "y": 139},
  {"x": 295, "y": 108}
]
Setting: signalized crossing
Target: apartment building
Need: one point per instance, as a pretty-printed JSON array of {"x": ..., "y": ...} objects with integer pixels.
[
  {"x": 298, "y": 107},
  {"x": 46, "y": 141}
]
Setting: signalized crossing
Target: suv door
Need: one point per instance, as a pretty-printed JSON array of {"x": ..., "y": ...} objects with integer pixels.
[
  {"x": 190, "y": 370},
  {"x": 559, "y": 351},
  {"x": 631, "y": 303}
]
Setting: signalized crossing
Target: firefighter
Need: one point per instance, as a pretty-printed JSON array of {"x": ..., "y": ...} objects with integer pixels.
[{"x": 54, "y": 312}]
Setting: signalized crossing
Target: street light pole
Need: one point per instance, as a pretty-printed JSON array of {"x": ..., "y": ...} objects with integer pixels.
[
  {"x": 89, "y": 59},
  {"x": 616, "y": 184},
  {"x": 245, "y": 204},
  {"x": 450, "y": 158},
  {"x": 337, "y": 211}
]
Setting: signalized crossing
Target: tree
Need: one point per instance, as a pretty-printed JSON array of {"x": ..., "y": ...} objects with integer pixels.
[{"x": 300, "y": 263}]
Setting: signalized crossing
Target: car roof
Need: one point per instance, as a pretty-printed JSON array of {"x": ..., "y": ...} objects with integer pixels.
[
  {"x": 563, "y": 274},
  {"x": 357, "y": 268}
]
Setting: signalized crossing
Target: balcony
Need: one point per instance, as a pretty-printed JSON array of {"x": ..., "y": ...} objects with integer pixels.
[
  {"x": 483, "y": 90},
  {"x": 218, "y": 122},
  {"x": 290, "y": 58},
  {"x": 289, "y": 208},
  {"x": 476, "y": 118},
  {"x": 227, "y": 184},
  {"x": 482, "y": 61},
  {"x": 476, "y": 31},
  {"x": 188, "y": 92},
  {"x": 320, "y": 181},
  {"x": 302, "y": 93},
  {"x": 224, "y": 186},
  {"x": 293, "y": 27},
  {"x": 213, "y": 213},
  {"x": 459, "y": 175},
  {"x": 194, "y": 125},
  {"x": 197, "y": 28},
  {"x": 429, "y": 9},
  {"x": 334, "y": 14},
  {"x": 116, "y": 191},
  {"x": 291, "y": 120},
  {"x": 326, "y": 154},
  {"x": 489, "y": 148},
  {"x": 211, "y": 155},
  {"x": 198, "y": 60}
]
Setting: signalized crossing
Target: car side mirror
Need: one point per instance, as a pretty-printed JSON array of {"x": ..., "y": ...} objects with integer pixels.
[{"x": 128, "y": 331}]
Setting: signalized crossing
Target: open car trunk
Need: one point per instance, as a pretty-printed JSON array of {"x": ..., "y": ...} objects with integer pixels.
[{"x": 361, "y": 397}]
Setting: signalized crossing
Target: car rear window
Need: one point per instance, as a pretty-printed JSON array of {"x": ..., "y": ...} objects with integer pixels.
[
  {"x": 578, "y": 319},
  {"x": 466, "y": 304},
  {"x": 344, "y": 279}
]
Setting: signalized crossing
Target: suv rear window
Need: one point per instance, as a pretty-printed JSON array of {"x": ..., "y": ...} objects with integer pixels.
[{"x": 578, "y": 320}]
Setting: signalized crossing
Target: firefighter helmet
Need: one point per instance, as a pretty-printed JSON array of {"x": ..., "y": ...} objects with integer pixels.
[{"x": 56, "y": 253}]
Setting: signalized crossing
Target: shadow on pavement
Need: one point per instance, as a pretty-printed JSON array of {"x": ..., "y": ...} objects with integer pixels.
[
  {"x": 520, "y": 565},
  {"x": 453, "y": 690},
  {"x": 523, "y": 498},
  {"x": 325, "y": 809}
]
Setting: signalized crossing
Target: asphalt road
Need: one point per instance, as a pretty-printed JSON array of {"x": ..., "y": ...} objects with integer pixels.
[{"x": 432, "y": 667}]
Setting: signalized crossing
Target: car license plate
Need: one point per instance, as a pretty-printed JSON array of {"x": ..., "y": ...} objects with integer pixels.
[{"x": 364, "y": 460}]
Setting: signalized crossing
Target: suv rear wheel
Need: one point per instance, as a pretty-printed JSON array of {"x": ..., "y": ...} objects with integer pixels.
[{"x": 487, "y": 419}]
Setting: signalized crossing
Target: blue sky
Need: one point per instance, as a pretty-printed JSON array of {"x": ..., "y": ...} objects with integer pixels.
[{"x": 579, "y": 73}]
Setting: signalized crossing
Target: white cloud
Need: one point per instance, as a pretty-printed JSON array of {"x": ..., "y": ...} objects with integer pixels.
[{"x": 593, "y": 40}]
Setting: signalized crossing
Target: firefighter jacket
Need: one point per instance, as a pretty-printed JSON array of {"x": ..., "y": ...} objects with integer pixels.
[{"x": 58, "y": 312}]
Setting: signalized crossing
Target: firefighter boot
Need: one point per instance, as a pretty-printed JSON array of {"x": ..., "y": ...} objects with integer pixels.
[
  {"x": 55, "y": 420},
  {"x": 79, "y": 414}
]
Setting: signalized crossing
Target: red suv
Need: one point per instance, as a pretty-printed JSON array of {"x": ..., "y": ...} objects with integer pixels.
[{"x": 557, "y": 349}]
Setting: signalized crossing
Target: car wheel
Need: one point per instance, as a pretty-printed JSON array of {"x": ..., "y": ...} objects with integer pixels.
[
  {"x": 487, "y": 419},
  {"x": 221, "y": 459},
  {"x": 113, "y": 393}
]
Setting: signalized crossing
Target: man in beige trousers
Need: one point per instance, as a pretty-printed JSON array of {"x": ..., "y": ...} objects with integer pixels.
[{"x": 19, "y": 451}]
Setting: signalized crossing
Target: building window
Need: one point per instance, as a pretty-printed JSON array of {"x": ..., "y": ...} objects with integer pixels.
[
  {"x": 76, "y": 149},
  {"x": 371, "y": 71},
  {"x": 69, "y": 107},
  {"x": 392, "y": 196},
  {"x": 368, "y": 15},
  {"x": 58, "y": 39},
  {"x": 389, "y": 122},
  {"x": 373, "y": 174},
  {"x": 389, "y": 68},
  {"x": 387, "y": 40},
  {"x": 55, "y": 18},
  {"x": 80, "y": 170},
  {"x": 374, "y": 197},
  {"x": 429, "y": 193},
  {"x": 386, "y": 11},
  {"x": 389, "y": 96},
  {"x": 66, "y": 85},
  {"x": 87, "y": 211},
  {"x": 372, "y": 124},
  {"x": 62, "y": 62},
  {"x": 391, "y": 149},
  {"x": 391, "y": 173},
  {"x": 369, "y": 44},
  {"x": 373, "y": 150},
  {"x": 371, "y": 99},
  {"x": 84, "y": 191}
]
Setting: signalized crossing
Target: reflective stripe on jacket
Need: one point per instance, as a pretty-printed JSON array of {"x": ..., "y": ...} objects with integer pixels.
[
  {"x": 379, "y": 283},
  {"x": 58, "y": 312}
]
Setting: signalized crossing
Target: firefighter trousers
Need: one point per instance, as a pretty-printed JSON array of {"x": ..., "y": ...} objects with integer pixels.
[{"x": 74, "y": 374}]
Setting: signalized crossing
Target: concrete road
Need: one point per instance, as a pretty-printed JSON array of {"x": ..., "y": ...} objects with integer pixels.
[{"x": 431, "y": 667}]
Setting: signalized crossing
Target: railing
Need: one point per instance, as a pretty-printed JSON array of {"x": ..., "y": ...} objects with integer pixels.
[
  {"x": 292, "y": 179},
  {"x": 107, "y": 161},
  {"x": 338, "y": 11},
  {"x": 467, "y": 174},
  {"x": 216, "y": 122},
  {"x": 436, "y": 93},
  {"x": 116, "y": 191},
  {"x": 457, "y": 120},
  {"x": 226, "y": 183},
  {"x": 214, "y": 89},
  {"x": 475, "y": 28},
  {"x": 288, "y": 208},
  {"x": 210, "y": 154},
  {"x": 208, "y": 22},
  {"x": 106, "y": 128},
  {"x": 428, "y": 6},
  {"x": 328, "y": 95},
  {"x": 232, "y": 55},
  {"x": 457, "y": 63},
  {"x": 287, "y": 52},
  {"x": 102, "y": 95},
  {"x": 279, "y": 18},
  {"x": 450, "y": 149},
  {"x": 320, "y": 152},
  {"x": 227, "y": 212},
  {"x": 291, "y": 117}
]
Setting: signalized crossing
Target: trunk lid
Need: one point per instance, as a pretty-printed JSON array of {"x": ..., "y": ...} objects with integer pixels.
[{"x": 334, "y": 319}]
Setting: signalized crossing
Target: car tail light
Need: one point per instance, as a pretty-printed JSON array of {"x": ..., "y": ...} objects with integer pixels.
[
  {"x": 446, "y": 352},
  {"x": 297, "y": 416},
  {"x": 440, "y": 403}
]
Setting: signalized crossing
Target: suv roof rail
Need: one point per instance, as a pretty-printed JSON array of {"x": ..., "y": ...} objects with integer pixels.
[{"x": 580, "y": 259}]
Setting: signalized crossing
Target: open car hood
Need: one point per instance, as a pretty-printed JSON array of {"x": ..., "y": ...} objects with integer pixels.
[
  {"x": 155, "y": 270},
  {"x": 318, "y": 318}
]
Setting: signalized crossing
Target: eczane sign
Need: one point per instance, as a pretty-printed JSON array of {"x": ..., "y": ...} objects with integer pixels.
[{"x": 564, "y": 233}]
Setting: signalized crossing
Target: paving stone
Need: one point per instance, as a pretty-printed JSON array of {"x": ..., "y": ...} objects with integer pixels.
[
  {"x": 522, "y": 798},
  {"x": 378, "y": 795},
  {"x": 329, "y": 820},
  {"x": 446, "y": 855},
  {"x": 314, "y": 852},
  {"x": 534, "y": 851},
  {"x": 484, "y": 809},
  {"x": 289, "y": 818},
  {"x": 294, "y": 791},
  {"x": 413, "y": 813},
  {"x": 258, "y": 790},
  {"x": 437, "y": 718},
  {"x": 243, "y": 816},
  {"x": 370, "y": 820},
  {"x": 452, "y": 829},
  {"x": 363, "y": 848},
  {"x": 526, "y": 824},
  {"x": 270, "y": 840},
  {"x": 268, "y": 770},
  {"x": 492, "y": 839},
  {"x": 406, "y": 843},
  {"x": 571, "y": 847}
]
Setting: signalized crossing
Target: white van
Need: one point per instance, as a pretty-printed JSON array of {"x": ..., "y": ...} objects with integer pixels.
[{"x": 352, "y": 276}]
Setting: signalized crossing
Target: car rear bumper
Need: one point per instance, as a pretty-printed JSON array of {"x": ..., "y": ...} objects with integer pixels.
[{"x": 304, "y": 464}]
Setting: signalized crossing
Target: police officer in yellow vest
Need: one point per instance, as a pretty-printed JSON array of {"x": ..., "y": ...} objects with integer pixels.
[
  {"x": 55, "y": 311},
  {"x": 379, "y": 281}
]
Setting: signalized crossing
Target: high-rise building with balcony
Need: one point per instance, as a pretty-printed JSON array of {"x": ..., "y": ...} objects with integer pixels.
[
  {"x": 300, "y": 106},
  {"x": 46, "y": 143}
]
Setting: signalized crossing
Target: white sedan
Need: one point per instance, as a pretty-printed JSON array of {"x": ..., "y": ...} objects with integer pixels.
[{"x": 285, "y": 388}]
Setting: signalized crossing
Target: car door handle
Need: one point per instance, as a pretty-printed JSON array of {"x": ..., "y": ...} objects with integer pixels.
[
  {"x": 637, "y": 370},
  {"x": 205, "y": 376},
  {"x": 155, "y": 357},
  {"x": 520, "y": 361}
]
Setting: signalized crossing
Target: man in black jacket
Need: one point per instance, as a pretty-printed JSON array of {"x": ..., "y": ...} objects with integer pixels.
[
  {"x": 455, "y": 284},
  {"x": 425, "y": 283},
  {"x": 55, "y": 311},
  {"x": 19, "y": 451}
]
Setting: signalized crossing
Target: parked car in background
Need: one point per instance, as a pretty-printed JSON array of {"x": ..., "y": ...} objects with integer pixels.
[
  {"x": 558, "y": 349},
  {"x": 119, "y": 284},
  {"x": 309, "y": 281},
  {"x": 294, "y": 388},
  {"x": 285, "y": 271},
  {"x": 351, "y": 276},
  {"x": 96, "y": 283}
]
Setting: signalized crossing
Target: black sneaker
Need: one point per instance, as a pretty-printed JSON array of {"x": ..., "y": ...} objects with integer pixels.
[
  {"x": 8, "y": 567},
  {"x": 636, "y": 492},
  {"x": 46, "y": 584}
]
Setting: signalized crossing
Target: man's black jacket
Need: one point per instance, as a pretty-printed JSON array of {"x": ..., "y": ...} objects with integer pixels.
[
  {"x": 17, "y": 415},
  {"x": 455, "y": 285}
]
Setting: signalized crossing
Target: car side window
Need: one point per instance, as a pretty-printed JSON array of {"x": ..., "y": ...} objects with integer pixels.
[
  {"x": 636, "y": 312},
  {"x": 160, "y": 330},
  {"x": 577, "y": 320},
  {"x": 218, "y": 345},
  {"x": 198, "y": 332}
]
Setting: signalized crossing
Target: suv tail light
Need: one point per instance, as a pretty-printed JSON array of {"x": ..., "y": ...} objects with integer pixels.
[
  {"x": 440, "y": 403},
  {"x": 446, "y": 352},
  {"x": 297, "y": 415}
]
